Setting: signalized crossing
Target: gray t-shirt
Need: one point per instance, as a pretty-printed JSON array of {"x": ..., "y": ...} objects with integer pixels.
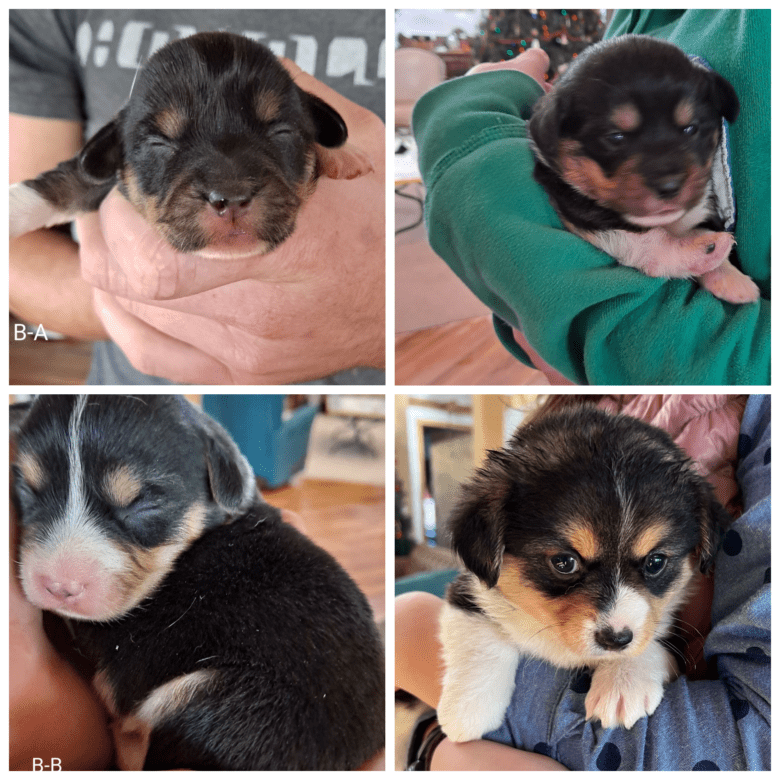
[{"x": 79, "y": 65}]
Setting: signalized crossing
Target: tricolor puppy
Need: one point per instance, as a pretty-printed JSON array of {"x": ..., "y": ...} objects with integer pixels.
[
  {"x": 221, "y": 637},
  {"x": 580, "y": 541},
  {"x": 630, "y": 148},
  {"x": 218, "y": 148}
]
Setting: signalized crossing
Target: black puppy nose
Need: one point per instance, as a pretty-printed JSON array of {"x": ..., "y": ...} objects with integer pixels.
[
  {"x": 223, "y": 203},
  {"x": 609, "y": 639},
  {"x": 670, "y": 187}
]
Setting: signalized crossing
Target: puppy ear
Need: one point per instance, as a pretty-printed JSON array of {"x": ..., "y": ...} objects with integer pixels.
[
  {"x": 477, "y": 526},
  {"x": 231, "y": 478},
  {"x": 713, "y": 522},
  {"x": 724, "y": 97},
  {"x": 102, "y": 156},
  {"x": 545, "y": 125},
  {"x": 330, "y": 128}
]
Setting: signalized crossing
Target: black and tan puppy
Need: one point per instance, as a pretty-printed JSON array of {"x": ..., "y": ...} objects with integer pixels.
[
  {"x": 630, "y": 148},
  {"x": 218, "y": 148},
  {"x": 221, "y": 637},
  {"x": 581, "y": 540}
]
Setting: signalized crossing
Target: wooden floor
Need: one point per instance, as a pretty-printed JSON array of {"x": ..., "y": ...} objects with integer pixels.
[
  {"x": 55, "y": 362},
  {"x": 467, "y": 352},
  {"x": 347, "y": 520}
]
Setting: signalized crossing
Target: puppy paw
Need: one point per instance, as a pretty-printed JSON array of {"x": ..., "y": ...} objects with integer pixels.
[
  {"x": 730, "y": 284},
  {"x": 706, "y": 251},
  {"x": 622, "y": 692},
  {"x": 458, "y": 724}
]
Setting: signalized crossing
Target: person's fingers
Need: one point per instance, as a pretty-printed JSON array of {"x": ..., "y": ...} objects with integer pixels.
[
  {"x": 532, "y": 62},
  {"x": 365, "y": 128},
  {"x": 153, "y": 352}
]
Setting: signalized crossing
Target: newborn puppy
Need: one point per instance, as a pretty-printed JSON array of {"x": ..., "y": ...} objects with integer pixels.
[
  {"x": 217, "y": 147},
  {"x": 221, "y": 637},
  {"x": 629, "y": 149},
  {"x": 581, "y": 540}
]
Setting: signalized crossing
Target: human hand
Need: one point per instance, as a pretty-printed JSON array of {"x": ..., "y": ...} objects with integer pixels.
[
  {"x": 532, "y": 62},
  {"x": 310, "y": 308}
]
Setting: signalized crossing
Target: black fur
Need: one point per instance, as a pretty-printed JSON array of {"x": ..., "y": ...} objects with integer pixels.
[
  {"x": 215, "y": 119},
  {"x": 300, "y": 670},
  {"x": 655, "y": 77},
  {"x": 295, "y": 660},
  {"x": 588, "y": 464}
]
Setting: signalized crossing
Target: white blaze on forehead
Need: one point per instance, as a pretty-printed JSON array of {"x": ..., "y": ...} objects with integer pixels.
[
  {"x": 76, "y": 506},
  {"x": 76, "y": 534}
]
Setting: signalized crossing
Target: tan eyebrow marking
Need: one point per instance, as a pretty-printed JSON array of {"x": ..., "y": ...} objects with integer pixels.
[
  {"x": 583, "y": 540},
  {"x": 122, "y": 486},
  {"x": 684, "y": 113},
  {"x": 648, "y": 540},
  {"x": 170, "y": 122},
  {"x": 626, "y": 117},
  {"x": 267, "y": 105},
  {"x": 32, "y": 470}
]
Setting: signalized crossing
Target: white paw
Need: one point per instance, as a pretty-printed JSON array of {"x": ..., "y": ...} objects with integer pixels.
[
  {"x": 458, "y": 726},
  {"x": 28, "y": 211},
  {"x": 730, "y": 284},
  {"x": 622, "y": 692}
]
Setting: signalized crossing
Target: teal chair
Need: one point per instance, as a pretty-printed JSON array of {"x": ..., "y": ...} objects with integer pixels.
[{"x": 275, "y": 448}]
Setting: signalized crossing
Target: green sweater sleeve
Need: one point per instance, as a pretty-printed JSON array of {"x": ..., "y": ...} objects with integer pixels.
[{"x": 592, "y": 319}]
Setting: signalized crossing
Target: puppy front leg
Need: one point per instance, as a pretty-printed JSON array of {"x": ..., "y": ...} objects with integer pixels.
[
  {"x": 730, "y": 284},
  {"x": 658, "y": 253},
  {"x": 480, "y": 675},
  {"x": 624, "y": 690}
]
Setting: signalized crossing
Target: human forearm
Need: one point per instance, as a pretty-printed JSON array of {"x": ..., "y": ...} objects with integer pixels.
[{"x": 46, "y": 288}]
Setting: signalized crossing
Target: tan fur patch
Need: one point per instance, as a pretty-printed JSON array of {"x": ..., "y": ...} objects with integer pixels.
[
  {"x": 145, "y": 205},
  {"x": 147, "y": 568},
  {"x": 267, "y": 105},
  {"x": 122, "y": 486},
  {"x": 661, "y": 609},
  {"x": 582, "y": 538},
  {"x": 171, "y": 123},
  {"x": 648, "y": 540},
  {"x": 564, "y": 617},
  {"x": 625, "y": 190},
  {"x": 684, "y": 113},
  {"x": 626, "y": 117},
  {"x": 32, "y": 470}
]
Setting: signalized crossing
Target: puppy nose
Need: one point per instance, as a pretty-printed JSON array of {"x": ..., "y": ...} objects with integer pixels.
[
  {"x": 229, "y": 205},
  {"x": 63, "y": 590},
  {"x": 610, "y": 639},
  {"x": 669, "y": 187}
]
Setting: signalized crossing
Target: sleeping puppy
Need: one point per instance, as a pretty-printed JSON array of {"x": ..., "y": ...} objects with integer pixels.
[
  {"x": 631, "y": 151},
  {"x": 580, "y": 541},
  {"x": 221, "y": 637},
  {"x": 218, "y": 148}
]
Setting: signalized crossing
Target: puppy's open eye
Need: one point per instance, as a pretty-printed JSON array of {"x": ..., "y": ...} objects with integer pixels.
[
  {"x": 690, "y": 130},
  {"x": 655, "y": 563},
  {"x": 565, "y": 564},
  {"x": 615, "y": 139}
]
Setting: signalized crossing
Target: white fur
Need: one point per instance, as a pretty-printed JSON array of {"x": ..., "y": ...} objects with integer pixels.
[
  {"x": 480, "y": 677},
  {"x": 482, "y": 651},
  {"x": 626, "y": 689},
  {"x": 28, "y": 211}
]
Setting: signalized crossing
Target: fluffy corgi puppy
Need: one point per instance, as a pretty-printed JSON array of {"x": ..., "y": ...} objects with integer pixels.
[{"x": 581, "y": 540}]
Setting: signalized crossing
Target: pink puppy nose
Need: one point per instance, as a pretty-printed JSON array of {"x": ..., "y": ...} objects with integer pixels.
[{"x": 63, "y": 591}]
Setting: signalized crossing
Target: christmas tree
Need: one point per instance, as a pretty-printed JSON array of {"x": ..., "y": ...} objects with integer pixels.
[{"x": 563, "y": 34}]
